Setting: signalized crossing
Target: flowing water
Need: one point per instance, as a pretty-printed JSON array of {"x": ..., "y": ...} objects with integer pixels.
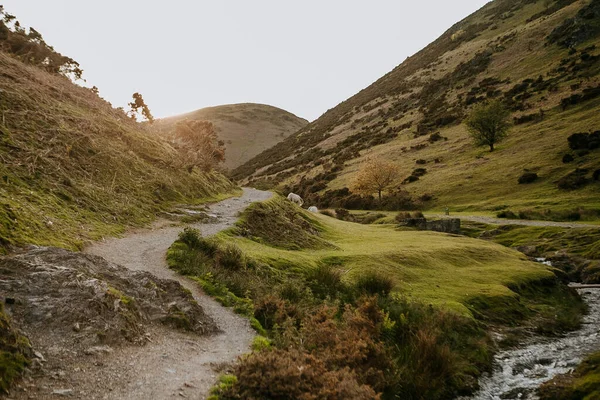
[{"x": 519, "y": 372}]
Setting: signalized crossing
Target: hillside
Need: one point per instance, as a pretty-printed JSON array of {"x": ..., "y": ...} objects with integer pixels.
[
  {"x": 542, "y": 59},
  {"x": 74, "y": 168},
  {"x": 247, "y": 129}
]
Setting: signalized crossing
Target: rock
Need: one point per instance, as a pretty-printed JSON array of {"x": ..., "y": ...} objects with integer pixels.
[
  {"x": 63, "y": 392},
  {"x": 529, "y": 251},
  {"x": 76, "y": 327},
  {"x": 39, "y": 355},
  {"x": 98, "y": 350}
]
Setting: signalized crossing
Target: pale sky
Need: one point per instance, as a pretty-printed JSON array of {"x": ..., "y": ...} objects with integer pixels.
[{"x": 303, "y": 56}]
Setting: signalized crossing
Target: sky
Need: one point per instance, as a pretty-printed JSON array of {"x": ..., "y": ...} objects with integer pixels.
[{"x": 303, "y": 56}]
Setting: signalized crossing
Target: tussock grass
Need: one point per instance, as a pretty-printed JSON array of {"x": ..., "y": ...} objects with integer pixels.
[{"x": 75, "y": 169}]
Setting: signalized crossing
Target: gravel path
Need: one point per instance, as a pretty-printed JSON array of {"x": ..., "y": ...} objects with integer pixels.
[
  {"x": 173, "y": 364},
  {"x": 523, "y": 222}
]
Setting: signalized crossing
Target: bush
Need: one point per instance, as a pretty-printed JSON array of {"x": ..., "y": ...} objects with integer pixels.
[
  {"x": 567, "y": 158},
  {"x": 528, "y": 177},
  {"x": 421, "y": 162},
  {"x": 193, "y": 238},
  {"x": 325, "y": 281},
  {"x": 419, "y": 172},
  {"x": 507, "y": 214},
  {"x": 596, "y": 175},
  {"x": 230, "y": 257},
  {"x": 411, "y": 179},
  {"x": 293, "y": 374},
  {"x": 574, "y": 180},
  {"x": 374, "y": 283},
  {"x": 342, "y": 213}
]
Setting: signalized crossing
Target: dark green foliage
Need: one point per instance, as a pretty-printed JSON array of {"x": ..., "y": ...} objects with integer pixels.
[
  {"x": 574, "y": 31},
  {"x": 596, "y": 175},
  {"x": 419, "y": 172},
  {"x": 567, "y": 158},
  {"x": 528, "y": 177},
  {"x": 584, "y": 141},
  {"x": 587, "y": 94},
  {"x": 325, "y": 281},
  {"x": 507, "y": 214},
  {"x": 488, "y": 124},
  {"x": 374, "y": 283}
]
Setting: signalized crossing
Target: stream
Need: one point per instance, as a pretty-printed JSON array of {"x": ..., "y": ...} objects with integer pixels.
[{"x": 519, "y": 372}]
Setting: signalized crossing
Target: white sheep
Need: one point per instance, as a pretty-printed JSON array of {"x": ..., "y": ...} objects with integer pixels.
[
  {"x": 313, "y": 209},
  {"x": 294, "y": 198}
]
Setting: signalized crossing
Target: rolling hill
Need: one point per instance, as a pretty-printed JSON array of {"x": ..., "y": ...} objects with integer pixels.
[
  {"x": 540, "y": 58},
  {"x": 76, "y": 169},
  {"x": 247, "y": 129}
]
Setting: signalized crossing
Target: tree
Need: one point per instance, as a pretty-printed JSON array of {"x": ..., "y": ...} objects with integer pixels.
[
  {"x": 488, "y": 123},
  {"x": 198, "y": 145},
  {"x": 375, "y": 175},
  {"x": 138, "y": 106}
]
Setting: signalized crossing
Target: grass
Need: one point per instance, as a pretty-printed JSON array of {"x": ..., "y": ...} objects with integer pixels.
[
  {"x": 15, "y": 351},
  {"x": 247, "y": 129},
  {"x": 74, "y": 169},
  {"x": 581, "y": 384},
  {"x": 464, "y": 177},
  {"x": 434, "y": 295},
  {"x": 430, "y": 267}
]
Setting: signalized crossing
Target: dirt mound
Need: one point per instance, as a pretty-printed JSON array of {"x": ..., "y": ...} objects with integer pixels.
[{"x": 82, "y": 301}]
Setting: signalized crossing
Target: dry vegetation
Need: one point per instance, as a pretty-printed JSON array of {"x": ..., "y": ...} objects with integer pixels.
[
  {"x": 246, "y": 129},
  {"x": 542, "y": 61},
  {"x": 364, "y": 311}
]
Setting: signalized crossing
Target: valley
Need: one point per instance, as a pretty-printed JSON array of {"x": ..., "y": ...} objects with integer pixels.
[{"x": 442, "y": 240}]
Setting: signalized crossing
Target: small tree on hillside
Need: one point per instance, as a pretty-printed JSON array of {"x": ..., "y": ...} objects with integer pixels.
[
  {"x": 375, "y": 175},
  {"x": 198, "y": 145},
  {"x": 138, "y": 106},
  {"x": 488, "y": 123}
]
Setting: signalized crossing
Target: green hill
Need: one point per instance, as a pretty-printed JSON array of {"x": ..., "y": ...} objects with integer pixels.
[
  {"x": 542, "y": 59},
  {"x": 247, "y": 129},
  {"x": 74, "y": 168}
]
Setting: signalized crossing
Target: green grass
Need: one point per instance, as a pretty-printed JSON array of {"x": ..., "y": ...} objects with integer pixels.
[
  {"x": 74, "y": 169},
  {"x": 435, "y": 268},
  {"x": 14, "y": 352},
  {"x": 582, "y": 384}
]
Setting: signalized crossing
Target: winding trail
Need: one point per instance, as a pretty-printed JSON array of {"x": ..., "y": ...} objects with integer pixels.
[
  {"x": 523, "y": 222},
  {"x": 174, "y": 363}
]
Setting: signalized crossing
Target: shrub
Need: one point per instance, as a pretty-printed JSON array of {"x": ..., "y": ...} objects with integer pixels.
[
  {"x": 574, "y": 180},
  {"x": 325, "y": 281},
  {"x": 411, "y": 179},
  {"x": 507, "y": 214},
  {"x": 596, "y": 175},
  {"x": 528, "y": 177},
  {"x": 373, "y": 283},
  {"x": 293, "y": 374},
  {"x": 419, "y": 172},
  {"x": 567, "y": 158},
  {"x": 434, "y": 137},
  {"x": 230, "y": 257},
  {"x": 342, "y": 213},
  {"x": 193, "y": 238},
  {"x": 421, "y": 161}
]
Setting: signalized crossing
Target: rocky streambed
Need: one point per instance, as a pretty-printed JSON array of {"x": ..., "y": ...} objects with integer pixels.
[{"x": 520, "y": 372}]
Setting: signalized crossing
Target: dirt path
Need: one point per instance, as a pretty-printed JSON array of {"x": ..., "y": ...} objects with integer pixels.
[
  {"x": 173, "y": 364},
  {"x": 523, "y": 222}
]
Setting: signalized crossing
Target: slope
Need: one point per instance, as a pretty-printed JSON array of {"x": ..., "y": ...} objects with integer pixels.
[
  {"x": 247, "y": 129},
  {"x": 74, "y": 168},
  {"x": 542, "y": 59}
]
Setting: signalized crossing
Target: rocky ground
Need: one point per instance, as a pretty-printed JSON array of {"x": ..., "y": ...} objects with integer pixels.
[{"x": 116, "y": 323}]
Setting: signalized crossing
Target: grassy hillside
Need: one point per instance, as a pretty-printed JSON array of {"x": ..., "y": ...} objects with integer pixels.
[
  {"x": 74, "y": 168},
  {"x": 542, "y": 59},
  {"x": 308, "y": 281},
  {"x": 247, "y": 129}
]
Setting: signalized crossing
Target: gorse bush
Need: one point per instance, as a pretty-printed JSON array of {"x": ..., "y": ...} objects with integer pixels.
[{"x": 528, "y": 177}]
